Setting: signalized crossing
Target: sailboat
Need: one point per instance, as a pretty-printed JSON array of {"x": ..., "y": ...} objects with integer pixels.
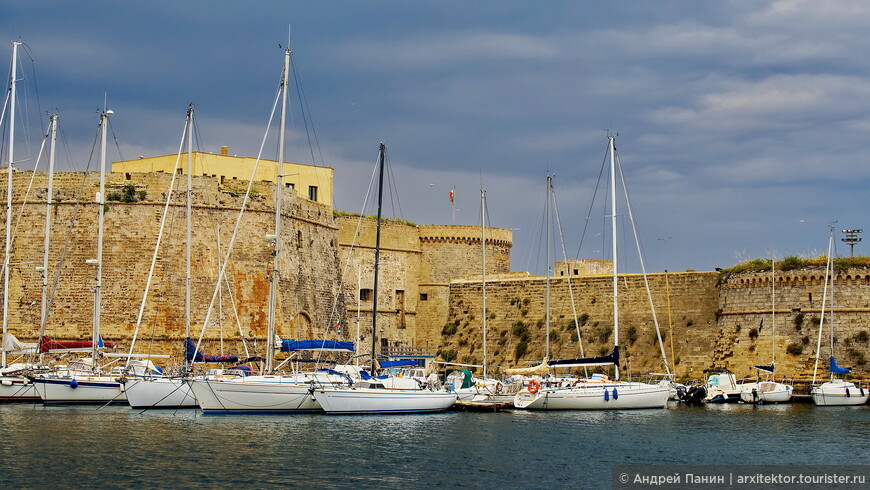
[
  {"x": 237, "y": 391},
  {"x": 835, "y": 392},
  {"x": 14, "y": 385},
  {"x": 768, "y": 390},
  {"x": 144, "y": 385},
  {"x": 597, "y": 392},
  {"x": 83, "y": 380},
  {"x": 371, "y": 396}
]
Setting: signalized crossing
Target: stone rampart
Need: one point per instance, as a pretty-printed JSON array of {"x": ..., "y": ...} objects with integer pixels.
[{"x": 308, "y": 284}]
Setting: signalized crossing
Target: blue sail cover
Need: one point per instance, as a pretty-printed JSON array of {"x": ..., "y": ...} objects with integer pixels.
[
  {"x": 399, "y": 363},
  {"x": 190, "y": 349},
  {"x": 612, "y": 358},
  {"x": 326, "y": 345},
  {"x": 837, "y": 369}
]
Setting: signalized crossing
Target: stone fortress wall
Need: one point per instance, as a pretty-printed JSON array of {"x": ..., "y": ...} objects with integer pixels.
[
  {"x": 308, "y": 287},
  {"x": 430, "y": 286}
]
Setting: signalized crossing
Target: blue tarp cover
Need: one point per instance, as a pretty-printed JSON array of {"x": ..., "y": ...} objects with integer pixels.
[
  {"x": 837, "y": 369},
  {"x": 399, "y": 363},
  {"x": 190, "y": 348},
  {"x": 331, "y": 345}
]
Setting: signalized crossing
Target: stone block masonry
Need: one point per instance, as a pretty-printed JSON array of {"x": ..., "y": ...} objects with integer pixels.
[
  {"x": 308, "y": 287},
  {"x": 516, "y": 315}
]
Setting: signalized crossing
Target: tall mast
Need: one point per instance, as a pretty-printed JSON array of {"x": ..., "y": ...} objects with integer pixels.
[
  {"x": 613, "y": 239},
  {"x": 381, "y": 152},
  {"x": 483, "y": 260},
  {"x": 10, "y": 160},
  {"x": 549, "y": 195},
  {"x": 773, "y": 312},
  {"x": 274, "y": 277},
  {"x": 101, "y": 202},
  {"x": 48, "y": 201},
  {"x": 833, "y": 302},
  {"x": 187, "y": 237}
]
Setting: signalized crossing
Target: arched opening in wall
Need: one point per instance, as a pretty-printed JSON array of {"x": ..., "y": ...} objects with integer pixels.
[{"x": 303, "y": 327}]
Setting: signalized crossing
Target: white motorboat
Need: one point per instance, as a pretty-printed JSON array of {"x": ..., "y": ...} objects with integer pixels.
[{"x": 766, "y": 392}]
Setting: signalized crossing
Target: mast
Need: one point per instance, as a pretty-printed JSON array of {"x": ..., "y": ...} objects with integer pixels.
[
  {"x": 483, "y": 260},
  {"x": 189, "y": 210},
  {"x": 274, "y": 276},
  {"x": 48, "y": 201},
  {"x": 101, "y": 202},
  {"x": 833, "y": 305},
  {"x": 773, "y": 313},
  {"x": 10, "y": 160},
  {"x": 187, "y": 236},
  {"x": 613, "y": 239},
  {"x": 381, "y": 158},
  {"x": 549, "y": 195}
]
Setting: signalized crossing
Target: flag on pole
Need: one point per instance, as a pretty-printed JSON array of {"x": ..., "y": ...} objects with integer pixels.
[{"x": 452, "y": 193}]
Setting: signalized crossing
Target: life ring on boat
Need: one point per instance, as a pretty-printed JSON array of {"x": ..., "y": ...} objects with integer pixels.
[
  {"x": 534, "y": 386},
  {"x": 498, "y": 387}
]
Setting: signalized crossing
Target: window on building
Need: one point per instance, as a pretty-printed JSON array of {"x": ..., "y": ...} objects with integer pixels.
[
  {"x": 576, "y": 272},
  {"x": 312, "y": 192},
  {"x": 365, "y": 294},
  {"x": 290, "y": 185},
  {"x": 179, "y": 171},
  {"x": 424, "y": 297}
]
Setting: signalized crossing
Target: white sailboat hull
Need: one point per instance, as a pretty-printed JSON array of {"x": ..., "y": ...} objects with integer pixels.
[
  {"x": 254, "y": 394},
  {"x": 158, "y": 393},
  {"x": 79, "y": 390},
  {"x": 839, "y": 393},
  {"x": 611, "y": 396},
  {"x": 766, "y": 392},
  {"x": 379, "y": 400},
  {"x": 17, "y": 389}
]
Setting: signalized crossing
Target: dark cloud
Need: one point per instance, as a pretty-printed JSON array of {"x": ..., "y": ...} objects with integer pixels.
[{"x": 743, "y": 129}]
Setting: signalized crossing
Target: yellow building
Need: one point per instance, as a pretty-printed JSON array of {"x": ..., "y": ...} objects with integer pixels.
[{"x": 309, "y": 181}]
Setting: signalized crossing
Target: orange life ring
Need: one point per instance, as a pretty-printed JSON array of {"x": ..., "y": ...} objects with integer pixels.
[
  {"x": 534, "y": 386},
  {"x": 498, "y": 387}
]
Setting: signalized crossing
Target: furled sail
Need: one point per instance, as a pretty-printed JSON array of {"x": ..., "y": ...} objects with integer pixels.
[
  {"x": 612, "y": 358},
  {"x": 325, "y": 345},
  {"x": 190, "y": 349},
  {"x": 837, "y": 369},
  {"x": 48, "y": 345}
]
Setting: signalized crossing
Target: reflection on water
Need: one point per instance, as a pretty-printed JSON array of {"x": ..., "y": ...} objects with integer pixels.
[{"x": 119, "y": 447}]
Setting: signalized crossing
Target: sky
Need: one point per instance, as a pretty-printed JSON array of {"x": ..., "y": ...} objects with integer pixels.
[{"x": 742, "y": 128}]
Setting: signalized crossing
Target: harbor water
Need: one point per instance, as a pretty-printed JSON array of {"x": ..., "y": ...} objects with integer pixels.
[{"x": 116, "y": 447}]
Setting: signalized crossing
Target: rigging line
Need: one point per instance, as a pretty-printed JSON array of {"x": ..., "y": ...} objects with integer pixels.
[
  {"x": 353, "y": 243},
  {"x": 244, "y": 205},
  {"x": 570, "y": 288},
  {"x": 394, "y": 186},
  {"x": 115, "y": 139},
  {"x": 68, "y": 239},
  {"x": 592, "y": 202},
  {"x": 35, "y": 83},
  {"x": 23, "y": 204},
  {"x": 306, "y": 112},
  {"x": 187, "y": 125},
  {"x": 541, "y": 225},
  {"x": 642, "y": 266}
]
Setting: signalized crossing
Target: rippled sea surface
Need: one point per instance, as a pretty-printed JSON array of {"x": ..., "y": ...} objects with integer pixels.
[{"x": 116, "y": 447}]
